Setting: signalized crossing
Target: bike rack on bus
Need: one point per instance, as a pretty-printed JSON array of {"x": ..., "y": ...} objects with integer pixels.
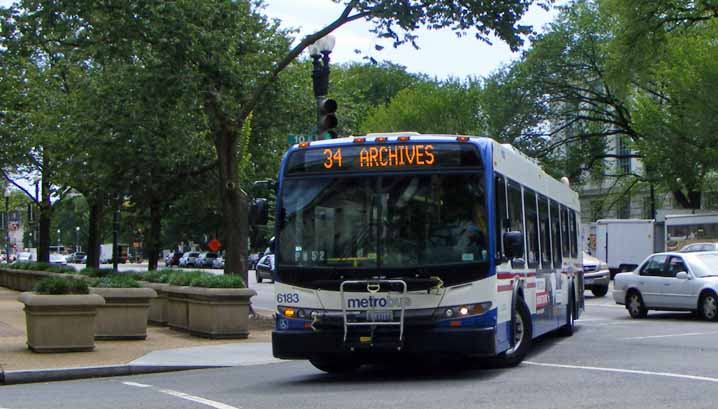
[{"x": 374, "y": 286}]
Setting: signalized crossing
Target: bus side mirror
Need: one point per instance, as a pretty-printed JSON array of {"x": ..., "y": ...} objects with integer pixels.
[
  {"x": 513, "y": 244},
  {"x": 259, "y": 212}
]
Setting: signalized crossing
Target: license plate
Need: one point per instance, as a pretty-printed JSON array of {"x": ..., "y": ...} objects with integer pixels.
[{"x": 379, "y": 316}]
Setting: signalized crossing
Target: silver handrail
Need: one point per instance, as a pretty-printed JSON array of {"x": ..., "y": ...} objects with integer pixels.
[{"x": 348, "y": 324}]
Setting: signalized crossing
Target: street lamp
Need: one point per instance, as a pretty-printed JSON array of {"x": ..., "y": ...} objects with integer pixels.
[
  {"x": 77, "y": 239},
  {"x": 319, "y": 51},
  {"x": 7, "y": 225}
]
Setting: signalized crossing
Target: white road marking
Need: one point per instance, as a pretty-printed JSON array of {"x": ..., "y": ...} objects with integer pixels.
[
  {"x": 628, "y": 371},
  {"x": 139, "y": 385},
  {"x": 210, "y": 403},
  {"x": 185, "y": 396},
  {"x": 686, "y": 334}
]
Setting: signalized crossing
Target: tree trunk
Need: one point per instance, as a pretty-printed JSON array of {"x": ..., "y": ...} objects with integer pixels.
[
  {"x": 153, "y": 239},
  {"x": 93, "y": 236},
  {"x": 43, "y": 250}
]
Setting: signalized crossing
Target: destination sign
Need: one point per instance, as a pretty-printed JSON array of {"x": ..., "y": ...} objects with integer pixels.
[{"x": 383, "y": 157}]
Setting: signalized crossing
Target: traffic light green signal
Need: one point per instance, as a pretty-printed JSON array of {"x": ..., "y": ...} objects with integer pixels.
[{"x": 328, "y": 119}]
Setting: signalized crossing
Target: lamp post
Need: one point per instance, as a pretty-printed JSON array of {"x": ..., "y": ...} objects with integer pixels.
[
  {"x": 319, "y": 52},
  {"x": 7, "y": 225},
  {"x": 77, "y": 239}
]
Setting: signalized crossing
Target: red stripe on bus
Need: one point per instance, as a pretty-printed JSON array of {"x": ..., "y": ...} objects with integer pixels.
[
  {"x": 508, "y": 276},
  {"x": 503, "y": 288},
  {"x": 531, "y": 285}
]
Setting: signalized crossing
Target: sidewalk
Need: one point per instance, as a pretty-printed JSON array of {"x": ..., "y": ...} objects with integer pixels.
[{"x": 163, "y": 348}]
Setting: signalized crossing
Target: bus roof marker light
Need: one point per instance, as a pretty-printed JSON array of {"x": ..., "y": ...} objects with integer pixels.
[
  {"x": 304, "y": 145},
  {"x": 359, "y": 140},
  {"x": 380, "y": 139},
  {"x": 462, "y": 138},
  {"x": 403, "y": 138}
]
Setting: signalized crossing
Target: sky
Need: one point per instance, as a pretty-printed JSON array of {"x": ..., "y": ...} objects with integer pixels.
[{"x": 441, "y": 53}]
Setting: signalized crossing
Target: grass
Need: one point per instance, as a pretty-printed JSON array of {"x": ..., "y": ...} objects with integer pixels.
[{"x": 61, "y": 286}]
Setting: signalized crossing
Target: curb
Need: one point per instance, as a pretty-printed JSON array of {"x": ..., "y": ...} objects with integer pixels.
[{"x": 66, "y": 374}]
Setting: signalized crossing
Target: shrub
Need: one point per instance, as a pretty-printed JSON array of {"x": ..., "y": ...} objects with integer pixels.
[
  {"x": 184, "y": 278},
  {"x": 212, "y": 281},
  {"x": 157, "y": 276},
  {"x": 37, "y": 266},
  {"x": 115, "y": 281},
  {"x": 61, "y": 286},
  {"x": 96, "y": 272}
]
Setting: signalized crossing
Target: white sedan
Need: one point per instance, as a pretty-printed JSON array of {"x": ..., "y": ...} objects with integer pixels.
[{"x": 671, "y": 282}]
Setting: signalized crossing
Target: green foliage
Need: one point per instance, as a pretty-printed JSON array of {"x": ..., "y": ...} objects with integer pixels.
[
  {"x": 450, "y": 107},
  {"x": 158, "y": 276},
  {"x": 115, "y": 281},
  {"x": 184, "y": 278},
  {"x": 61, "y": 286},
  {"x": 34, "y": 266},
  {"x": 218, "y": 281},
  {"x": 96, "y": 272}
]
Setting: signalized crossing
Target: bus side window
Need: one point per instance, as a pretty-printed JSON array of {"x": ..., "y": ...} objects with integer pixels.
[
  {"x": 545, "y": 241},
  {"x": 555, "y": 235},
  {"x": 500, "y": 214},
  {"x": 532, "y": 233},
  {"x": 516, "y": 215},
  {"x": 564, "y": 233},
  {"x": 574, "y": 234}
]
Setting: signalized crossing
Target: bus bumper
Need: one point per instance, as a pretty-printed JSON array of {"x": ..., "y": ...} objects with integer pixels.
[{"x": 298, "y": 344}]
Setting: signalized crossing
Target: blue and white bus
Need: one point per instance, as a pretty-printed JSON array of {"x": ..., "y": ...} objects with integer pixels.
[{"x": 420, "y": 244}]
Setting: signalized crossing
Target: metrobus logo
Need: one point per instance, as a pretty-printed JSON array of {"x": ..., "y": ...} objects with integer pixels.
[{"x": 382, "y": 302}]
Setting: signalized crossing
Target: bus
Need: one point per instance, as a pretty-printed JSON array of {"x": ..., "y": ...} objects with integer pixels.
[
  {"x": 684, "y": 229},
  {"x": 410, "y": 244}
]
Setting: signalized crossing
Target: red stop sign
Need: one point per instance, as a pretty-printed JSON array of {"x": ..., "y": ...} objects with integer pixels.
[{"x": 214, "y": 245}]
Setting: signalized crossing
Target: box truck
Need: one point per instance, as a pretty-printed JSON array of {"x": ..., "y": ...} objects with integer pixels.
[{"x": 624, "y": 243}]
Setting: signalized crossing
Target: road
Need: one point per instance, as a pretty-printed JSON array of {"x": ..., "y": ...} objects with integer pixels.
[{"x": 669, "y": 360}]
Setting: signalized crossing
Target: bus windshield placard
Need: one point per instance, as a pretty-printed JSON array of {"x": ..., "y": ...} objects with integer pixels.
[{"x": 377, "y": 157}]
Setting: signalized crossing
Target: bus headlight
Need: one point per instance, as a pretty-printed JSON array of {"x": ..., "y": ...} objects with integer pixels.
[
  {"x": 297, "y": 313},
  {"x": 461, "y": 311}
]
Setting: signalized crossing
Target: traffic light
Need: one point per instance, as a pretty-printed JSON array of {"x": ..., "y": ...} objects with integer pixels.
[{"x": 327, "y": 119}]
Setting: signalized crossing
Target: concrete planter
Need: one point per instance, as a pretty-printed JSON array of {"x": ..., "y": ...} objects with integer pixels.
[
  {"x": 22, "y": 280},
  {"x": 219, "y": 312},
  {"x": 60, "y": 323},
  {"x": 158, "y": 305},
  {"x": 124, "y": 314},
  {"x": 177, "y": 311}
]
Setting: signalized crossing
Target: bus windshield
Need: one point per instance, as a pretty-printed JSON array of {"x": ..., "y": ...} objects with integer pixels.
[{"x": 384, "y": 221}]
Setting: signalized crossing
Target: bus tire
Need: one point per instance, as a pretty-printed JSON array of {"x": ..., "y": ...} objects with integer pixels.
[
  {"x": 335, "y": 365},
  {"x": 523, "y": 334},
  {"x": 257, "y": 276},
  {"x": 567, "y": 329}
]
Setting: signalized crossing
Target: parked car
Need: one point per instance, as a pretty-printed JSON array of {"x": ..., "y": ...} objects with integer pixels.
[
  {"x": 596, "y": 275},
  {"x": 24, "y": 257},
  {"x": 690, "y": 248},
  {"x": 264, "y": 269},
  {"x": 56, "y": 258},
  {"x": 218, "y": 262},
  {"x": 206, "y": 260},
  {"x": 75, "y": 257},
  {"x": 173, "y": 258},
  {"x": 189, "y": 259},
  {"x": 671, "y": 281}
]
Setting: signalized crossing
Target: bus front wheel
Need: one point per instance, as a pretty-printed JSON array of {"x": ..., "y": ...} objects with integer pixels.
[
  {"x": 335, "y": 365},
  {"x": 522, "y": 335}
]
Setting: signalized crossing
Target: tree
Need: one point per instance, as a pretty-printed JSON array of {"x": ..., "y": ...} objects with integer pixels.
[
  {"x": 443, "y": 108},
  {"x": 228, "y": 54}
]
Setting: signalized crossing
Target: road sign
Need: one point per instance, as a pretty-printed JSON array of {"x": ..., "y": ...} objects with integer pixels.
[
  {"x": 293, "y": 139},
  {"x": 214, "y": 245}
]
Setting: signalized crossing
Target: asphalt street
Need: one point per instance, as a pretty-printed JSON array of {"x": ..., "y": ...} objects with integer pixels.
[{"x": 667, "y": 360}]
